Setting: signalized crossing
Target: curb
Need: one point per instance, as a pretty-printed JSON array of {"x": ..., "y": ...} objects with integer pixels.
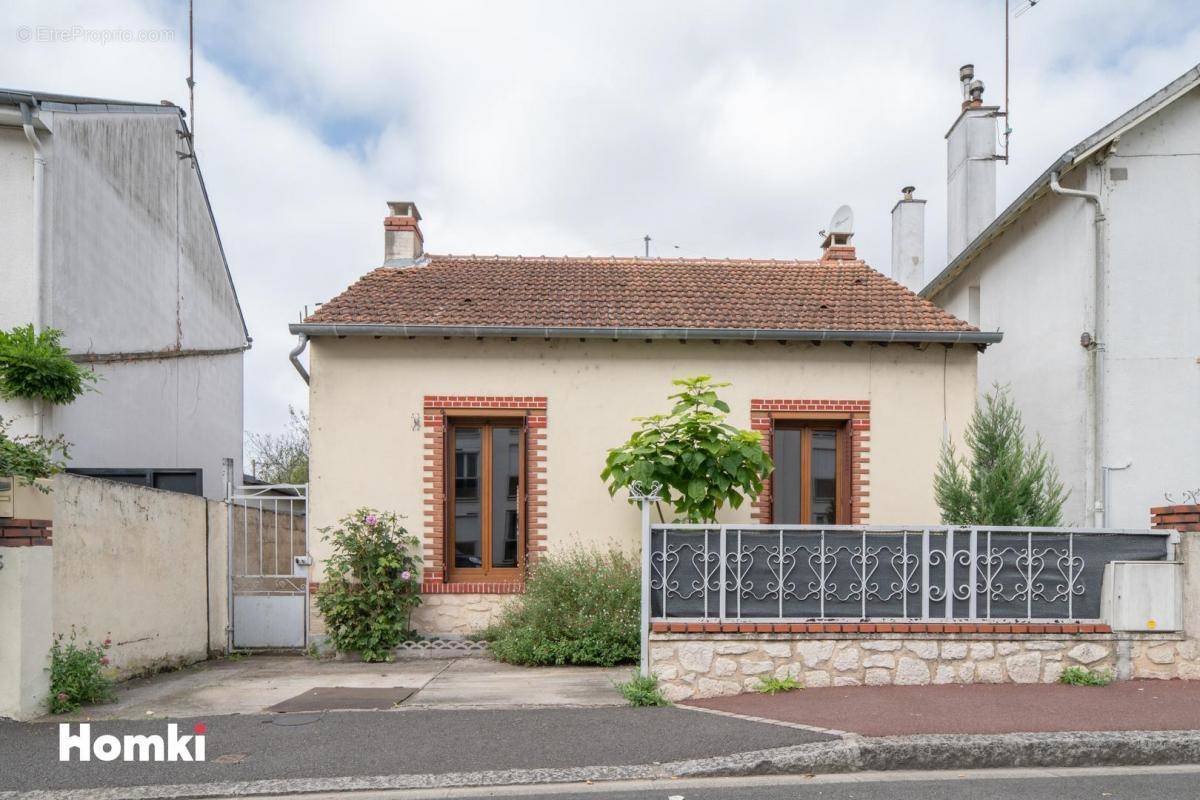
[{"x": 849, "y": 754}]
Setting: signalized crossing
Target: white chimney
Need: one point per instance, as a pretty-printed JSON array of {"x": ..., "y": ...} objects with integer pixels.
[
  {"x": 402, "y": 239},
  {"x": 970, "y": 167},
  {"x": 908, "y": 241}
]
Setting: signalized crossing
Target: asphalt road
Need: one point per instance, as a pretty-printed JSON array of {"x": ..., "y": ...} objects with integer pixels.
[
  {"x": 1111, "y": 783},
  {"x": 346, "y": 744}
]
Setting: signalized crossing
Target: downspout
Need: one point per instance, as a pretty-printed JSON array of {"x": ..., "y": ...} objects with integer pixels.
[
  {"x": 39, "y": 182},
  {"x": 1098, "y": 343},
  {"x": 294, "y": 356}
]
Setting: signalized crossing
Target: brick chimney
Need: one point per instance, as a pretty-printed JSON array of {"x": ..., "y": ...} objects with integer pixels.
[
  {"x": 836, "y": 244},
  {"x": 970, "y": 166},
  {"x": 402, "y": 240},
  {"x": 908, "y": 240}
]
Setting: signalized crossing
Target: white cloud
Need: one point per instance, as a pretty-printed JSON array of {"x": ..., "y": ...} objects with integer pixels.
[{"x": 531, "y": 127}]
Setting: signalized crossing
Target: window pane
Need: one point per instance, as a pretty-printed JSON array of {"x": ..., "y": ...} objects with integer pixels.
[
  {"x": 824, "y": 478},
  {"x": 786, "y": 479},
  {"x": 468, "y": 521},
  {"x": 506, "y": 481}
]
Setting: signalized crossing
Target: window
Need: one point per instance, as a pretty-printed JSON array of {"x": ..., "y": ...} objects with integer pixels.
[
  {"x": 811, "y": 480},
  {"x": 485, "y": 492}
]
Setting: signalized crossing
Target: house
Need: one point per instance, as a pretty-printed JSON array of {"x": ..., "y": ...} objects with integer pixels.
[
  {"x": 1093, "y": 274},
  {"x": 477, "y": 396},
  {"x": 110, "y": 237}
]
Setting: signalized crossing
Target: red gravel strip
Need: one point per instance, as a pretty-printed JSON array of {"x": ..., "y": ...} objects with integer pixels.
[{"x": 979, "y": 708}]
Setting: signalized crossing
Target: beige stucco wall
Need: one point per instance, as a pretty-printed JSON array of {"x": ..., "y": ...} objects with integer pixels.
[
  {"x": 26, "y": 603},
  {"x": 132, "y": 563},
  {"x": 367, "y": 396}
]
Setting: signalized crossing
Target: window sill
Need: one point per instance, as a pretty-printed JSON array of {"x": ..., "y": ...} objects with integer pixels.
[{"x": 472, "y": 587}]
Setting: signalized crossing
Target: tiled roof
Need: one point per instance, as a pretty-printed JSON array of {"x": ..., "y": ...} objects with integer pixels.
[{"x": 688, "y": 294}]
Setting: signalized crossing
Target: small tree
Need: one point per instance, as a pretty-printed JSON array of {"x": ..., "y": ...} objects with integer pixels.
[
  {"x": 1006, "y": 481},
  {"x": 701, "y": 461},
  {"x": 35, "y": 365},
  {"x": 281, "y": 458}
]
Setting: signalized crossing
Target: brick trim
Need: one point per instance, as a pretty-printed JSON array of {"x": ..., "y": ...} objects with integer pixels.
[
  {"x": 1183, "y": 518},
  {"x": 434, "y": 423},
  {"x": 877, "y": 627},
  {"x": 26, "y": 532},
  {"x": 762, "y": 419},
  {"x": 487, "y": 587}
]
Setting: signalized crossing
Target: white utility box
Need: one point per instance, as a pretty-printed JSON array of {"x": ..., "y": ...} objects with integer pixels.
[{"x": 1142, "y": 595}]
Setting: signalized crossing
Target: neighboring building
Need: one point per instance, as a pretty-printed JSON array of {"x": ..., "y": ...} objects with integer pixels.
[
  {"x": 477, "y": 396},
  {"x": 1093, "y": 272},
  {"x": 110, "y": 237}
]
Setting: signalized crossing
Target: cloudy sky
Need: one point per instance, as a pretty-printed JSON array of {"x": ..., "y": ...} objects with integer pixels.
[{"x": 718, "y": 128}]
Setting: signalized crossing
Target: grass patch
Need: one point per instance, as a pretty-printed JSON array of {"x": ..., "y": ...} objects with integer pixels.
[
  {"x": 579, "y": 607},
  {"x": 642, "y": 690},
  {"x": 1081, "y": 676},
  {"x": 773, "y": 685}
]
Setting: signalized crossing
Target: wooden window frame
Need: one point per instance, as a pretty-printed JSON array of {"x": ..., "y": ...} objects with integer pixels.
[
  {"x": 487, "y": 422},
  {"x": 806, "y": 422}
]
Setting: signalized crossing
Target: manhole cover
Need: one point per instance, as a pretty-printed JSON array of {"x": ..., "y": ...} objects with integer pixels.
[{"x": 343, "y": 698}]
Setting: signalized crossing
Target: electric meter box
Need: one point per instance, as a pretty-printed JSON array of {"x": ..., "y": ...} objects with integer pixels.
[{"x": 1142, "y": 596}]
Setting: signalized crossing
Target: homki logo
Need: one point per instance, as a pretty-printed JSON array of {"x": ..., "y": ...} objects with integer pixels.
[{"x": 129, "y": 747}]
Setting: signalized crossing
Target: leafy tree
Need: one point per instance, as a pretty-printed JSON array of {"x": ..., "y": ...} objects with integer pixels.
[
  {"x": 1006, "y": 481},
  {"x": 281, "y": 458},
  {"x": 36, "y": 366},
  {"x": 701, "y": 461}
]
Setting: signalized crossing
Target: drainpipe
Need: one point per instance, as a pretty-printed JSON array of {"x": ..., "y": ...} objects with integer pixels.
[
  {"x": 1097, "y": 345},
  {"x": 294, "y": 356},
  {"x": 39, "y": 182}
]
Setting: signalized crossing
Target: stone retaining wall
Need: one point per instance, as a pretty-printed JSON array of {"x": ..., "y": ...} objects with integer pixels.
[
  {"x": 458, "y": 614},
  {"x": 688, "y": 666}
]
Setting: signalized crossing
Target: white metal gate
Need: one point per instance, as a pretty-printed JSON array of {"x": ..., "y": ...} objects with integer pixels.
[{"x": 268, "y": 565}]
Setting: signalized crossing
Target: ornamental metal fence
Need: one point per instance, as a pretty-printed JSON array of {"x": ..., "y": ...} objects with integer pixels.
[{"x": 812, "y": 573}]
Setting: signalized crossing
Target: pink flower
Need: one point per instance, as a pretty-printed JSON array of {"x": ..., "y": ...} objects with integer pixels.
[
  {"x": 372, "y": 520},
  {"x": 405, "y": 575},
  {"x": 62, "y": 697},
  {"x": 104, "y": 662},
  {"x": 108, "y": 642}
]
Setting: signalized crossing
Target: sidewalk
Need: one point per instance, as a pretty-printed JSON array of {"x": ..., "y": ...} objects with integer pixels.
[{"x": 1144, "y": 705}]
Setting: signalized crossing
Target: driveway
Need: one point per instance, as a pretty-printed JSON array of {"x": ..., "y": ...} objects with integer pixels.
[{"x": 253, "y": 684}]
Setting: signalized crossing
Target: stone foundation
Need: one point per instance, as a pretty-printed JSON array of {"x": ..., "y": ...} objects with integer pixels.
[
  {"x": 458, "y": 614},
  {"x": 690, "y": 666}
]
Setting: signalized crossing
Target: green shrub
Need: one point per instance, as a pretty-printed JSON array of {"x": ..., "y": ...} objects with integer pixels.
[
  {"x": 773, "y": 685},
  {"x": 1081, "y": 676},
  {"x": 37, "y": 367},
  {"x": 642, "y": 690},
  {"x": 371, "y": 584},
  {"x": 31, "y": 457},
  {"x": 579, "y": 607},
  {"x": 77, "y": 674}
]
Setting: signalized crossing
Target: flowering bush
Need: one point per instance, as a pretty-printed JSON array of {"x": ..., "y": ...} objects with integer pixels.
[
  {"x": 579, "y": 607},
  {"x": 371, "y": 584},
  {"x": 77, "y": 674}
]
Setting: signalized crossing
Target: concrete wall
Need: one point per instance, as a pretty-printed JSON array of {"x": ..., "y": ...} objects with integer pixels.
[
  {"x": 366, "y": 405},
  {"x": 26, "y": 605},
  {"x": 17, "y": 277},
  {"x": 133, "y": 265},
  {"x": 135, "y": 564},
  {"x": 1035, "y": 284}
]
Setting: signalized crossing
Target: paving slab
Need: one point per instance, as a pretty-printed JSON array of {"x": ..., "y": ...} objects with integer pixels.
[
  {"x": 1141, "y": 705},
  {"x": 482, "y": 683}
]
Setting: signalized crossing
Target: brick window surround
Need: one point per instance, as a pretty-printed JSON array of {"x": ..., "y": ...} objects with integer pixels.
[
  {"x": 438, "y": 408},
  {"x": 857, "y": 414}
]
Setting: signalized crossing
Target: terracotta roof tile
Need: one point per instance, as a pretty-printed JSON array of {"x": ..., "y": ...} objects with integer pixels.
[{"x": 636, "y": 293}]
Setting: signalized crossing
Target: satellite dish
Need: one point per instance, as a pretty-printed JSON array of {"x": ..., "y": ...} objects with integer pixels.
[{"x": 843, "y": 220}]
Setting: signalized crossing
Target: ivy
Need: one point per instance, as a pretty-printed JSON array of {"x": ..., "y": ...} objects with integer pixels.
[
  {"x": 701, "y": 461},
  {"x": 36, "y": 366},
  {"x": 372, "y": 583}
]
